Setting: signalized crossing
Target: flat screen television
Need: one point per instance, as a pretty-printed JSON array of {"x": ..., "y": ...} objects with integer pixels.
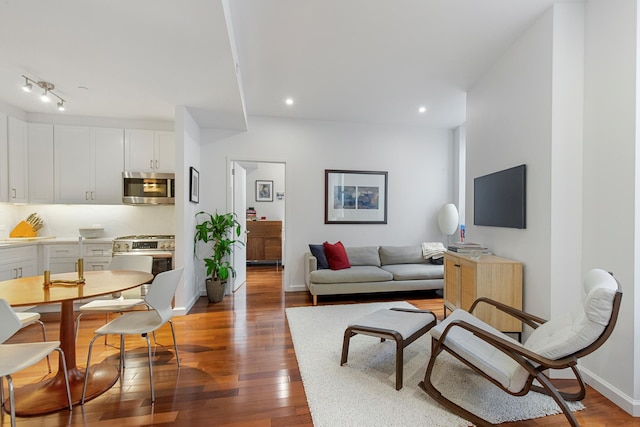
[{"x": 499, "y": 199}]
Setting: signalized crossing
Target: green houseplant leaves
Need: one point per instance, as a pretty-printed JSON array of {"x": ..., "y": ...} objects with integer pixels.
[{"x": 220, "y": 231}]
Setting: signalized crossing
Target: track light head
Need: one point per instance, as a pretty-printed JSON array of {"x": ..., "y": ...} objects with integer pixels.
[
  {"x": 27, "y": 87},
  {"x": 61, "y": 106},
  {"x": 45, "y": 96}
]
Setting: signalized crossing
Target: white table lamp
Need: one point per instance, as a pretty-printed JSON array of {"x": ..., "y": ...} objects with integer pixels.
[{"x": 448, "y": 219}]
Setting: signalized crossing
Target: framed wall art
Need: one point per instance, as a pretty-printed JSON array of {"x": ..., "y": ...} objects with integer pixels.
[
  {"x": 264, "y": 191},
  {"x": 355, "y": 197},
  {"x": 194, "y": 185}
]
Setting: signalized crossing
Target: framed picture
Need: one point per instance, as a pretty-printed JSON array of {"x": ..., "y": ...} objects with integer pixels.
[
  {"x": 264, "y": 191},
  {"x": 355, "y": 197},
  {"x": 194, "y": 185}
]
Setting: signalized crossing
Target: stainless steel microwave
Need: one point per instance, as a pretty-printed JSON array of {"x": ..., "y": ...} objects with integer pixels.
[{"x": 143, "y": 188}]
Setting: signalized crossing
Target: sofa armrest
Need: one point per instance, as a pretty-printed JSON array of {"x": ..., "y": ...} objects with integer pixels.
[{"x": 310, "y": 264}]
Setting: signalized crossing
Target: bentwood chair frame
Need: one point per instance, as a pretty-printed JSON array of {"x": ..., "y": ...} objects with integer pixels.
[{"x": 532, "y": 362}]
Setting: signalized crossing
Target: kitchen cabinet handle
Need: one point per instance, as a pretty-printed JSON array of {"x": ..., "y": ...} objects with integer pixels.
[
  {"x": 151, "y": 164},
  {"x": 20, "y": 270},
  {"x": 13, "y": 193},
  {"x": 15, "y": 273},
  {"x": 86, "y": 195},
  {"x": 93, "y": 196},
  {"x": 156, "y": 164}
]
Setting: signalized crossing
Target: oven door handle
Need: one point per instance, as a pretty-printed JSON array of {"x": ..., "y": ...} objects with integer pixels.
[{"x": 152, "y": 254}]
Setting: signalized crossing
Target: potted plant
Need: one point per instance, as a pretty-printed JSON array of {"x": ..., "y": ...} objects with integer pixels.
[{"x": 220, "y": 231}]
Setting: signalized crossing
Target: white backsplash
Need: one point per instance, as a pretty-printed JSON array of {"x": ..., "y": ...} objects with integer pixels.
[{"x": 117, "y": 220}]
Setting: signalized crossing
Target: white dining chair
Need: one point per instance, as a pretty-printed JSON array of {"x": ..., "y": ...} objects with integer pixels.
[
  {"x": 121, "y": 301},
  {"x": 16, "y": 357},
  {"x": 27, "y": 319},
  {"x": 159, "y": 298}
]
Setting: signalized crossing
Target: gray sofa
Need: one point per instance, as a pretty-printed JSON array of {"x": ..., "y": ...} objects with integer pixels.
[{"x": 375, "y": 269}]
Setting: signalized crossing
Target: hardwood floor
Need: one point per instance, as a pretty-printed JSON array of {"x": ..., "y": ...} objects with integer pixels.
[{"x": 238, "y": 367}]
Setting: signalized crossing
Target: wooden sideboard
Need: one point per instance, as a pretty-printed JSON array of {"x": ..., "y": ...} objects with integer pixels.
[
  {"x": 467, "y": 278},
  {"x": 264, "y": 241}
]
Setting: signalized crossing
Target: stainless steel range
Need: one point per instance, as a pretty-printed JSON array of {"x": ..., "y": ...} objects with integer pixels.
[{"x": 160, "y": 247}]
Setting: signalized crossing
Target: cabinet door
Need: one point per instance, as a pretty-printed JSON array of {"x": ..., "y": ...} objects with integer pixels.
[
  {"x": 40, "y": 163},
  {"x": 164, "y": 152},
  {"x": 468, "y": 288},
  {"x": 74, "y": 164},
  {"x": 138, "y": 150},
  {"x": 18, "y": 161},
  {"x": 4, "y": 165},
  {"x": 109, "y": 149}
]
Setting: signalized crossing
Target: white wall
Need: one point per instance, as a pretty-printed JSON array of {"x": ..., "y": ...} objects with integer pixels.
[
  {"x": 273, "y": 211},
  {"x": 187, "y": 155},
  {"x": 509, "y": 123},
  {"x": 562, "y": 99},
  {"x": 611, "y": 233},
  {"x": 418, "y": 160}
]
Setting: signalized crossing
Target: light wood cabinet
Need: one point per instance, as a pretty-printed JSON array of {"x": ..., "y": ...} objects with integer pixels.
[
  {"x": 264, "y": 241},
  {"x": 467, "y": 279}
]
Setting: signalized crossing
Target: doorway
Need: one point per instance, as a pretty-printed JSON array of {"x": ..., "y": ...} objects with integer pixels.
[{"x": 262, "y": 200}]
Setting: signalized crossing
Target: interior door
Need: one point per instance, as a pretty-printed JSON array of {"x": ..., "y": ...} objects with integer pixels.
[{"x": 239, "y": 259}]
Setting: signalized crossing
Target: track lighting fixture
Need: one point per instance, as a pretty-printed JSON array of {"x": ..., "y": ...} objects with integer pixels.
[{"x": 48, "y": 91}]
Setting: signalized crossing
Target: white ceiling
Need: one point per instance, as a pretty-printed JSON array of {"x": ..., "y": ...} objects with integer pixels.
[{"x": 371, "y": 61}]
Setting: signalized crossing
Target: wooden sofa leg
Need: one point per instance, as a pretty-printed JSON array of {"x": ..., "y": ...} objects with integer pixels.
[{"x": 315, "y": 300}]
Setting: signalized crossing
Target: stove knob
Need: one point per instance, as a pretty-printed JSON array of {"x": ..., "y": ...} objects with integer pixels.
[
  {"x": 125, "y": 247},
  {"x": 161, "y": 245},
  {"x": 116, "y": 245},
  {"x": 173, "y": 245}
]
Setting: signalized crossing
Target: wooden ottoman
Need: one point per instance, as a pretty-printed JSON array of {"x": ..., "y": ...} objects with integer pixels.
[{"x": 403, "y": 325}]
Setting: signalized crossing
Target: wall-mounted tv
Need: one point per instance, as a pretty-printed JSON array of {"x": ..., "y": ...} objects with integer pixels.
[{"x": 499, "y": 199}]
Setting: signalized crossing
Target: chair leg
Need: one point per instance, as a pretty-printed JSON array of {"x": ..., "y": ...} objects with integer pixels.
[
  {"x": 11, "y": 404},
  {"x": 78, "y": 324},
  {"x": 153, "y": 395},
  {"x": 345, "y": 346},
  {"x": 86, "y": 372},
  {"x": 106, "y": 320},
  {"x": 44, "y": 338},
  {"x": 555, "y": 394},
  {"x": 122, "y": 363},
  {"x": 175, "y": 343},
  {"x": 66, "y": 377},
  {"x": 571, "y": 397}
]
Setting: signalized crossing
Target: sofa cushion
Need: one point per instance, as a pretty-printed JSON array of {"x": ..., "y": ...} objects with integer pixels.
[
  {"x": 363, "y": 255},
  {"x": 415, "y": 271},
  {"x": 356, "y": 274},
  {"x": 318, "y": 252},
  {"x": 336, "y": 255},
  {"x": 401, "y": 255}
]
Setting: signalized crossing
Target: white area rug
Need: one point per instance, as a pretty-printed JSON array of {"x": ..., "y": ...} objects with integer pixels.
[{"x": 362, "y": 392}]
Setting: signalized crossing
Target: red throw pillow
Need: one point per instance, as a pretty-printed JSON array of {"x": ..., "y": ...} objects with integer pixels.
[{"x": 336, "y": 256}]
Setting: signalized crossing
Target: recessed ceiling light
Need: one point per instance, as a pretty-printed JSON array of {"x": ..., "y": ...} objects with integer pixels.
[
  {"x": 422, "y": 109},
  {"x": 288, "y": 101}
]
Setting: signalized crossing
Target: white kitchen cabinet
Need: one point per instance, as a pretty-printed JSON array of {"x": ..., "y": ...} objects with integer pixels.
[
  {"x": 17, "y": 262},
  {"x": 4, "y": 161},
  {"x": 88, "y": 165},
  {"x": 63, "y": 258},
  {"x": 40, "y": 160},
  {"x": 149, "y": 151},
  {"x": 18, "y": 158}
]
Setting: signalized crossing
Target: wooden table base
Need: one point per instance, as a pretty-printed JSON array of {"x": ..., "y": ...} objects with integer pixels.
[{"x": 50, "y": 395}]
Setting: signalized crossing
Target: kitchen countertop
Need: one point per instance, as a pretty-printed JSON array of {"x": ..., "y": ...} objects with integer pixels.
[{"x": 19, "y": 241}]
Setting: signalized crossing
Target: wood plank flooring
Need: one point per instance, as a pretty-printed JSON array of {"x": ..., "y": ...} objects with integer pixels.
[{"x": 238, "y": 367}]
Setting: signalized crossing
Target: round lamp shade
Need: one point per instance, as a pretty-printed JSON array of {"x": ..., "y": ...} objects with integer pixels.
[{"x": 448, "y": 218}]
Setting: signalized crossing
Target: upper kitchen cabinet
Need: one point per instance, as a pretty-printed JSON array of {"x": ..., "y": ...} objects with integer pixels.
[
  {"x": 149, "y": 151},
  {"x": 88, "y": 165},
  {"x": 40, "y": 162},
  {"x": 4, "y": 164},
  {"x": 18, "y": 159}
]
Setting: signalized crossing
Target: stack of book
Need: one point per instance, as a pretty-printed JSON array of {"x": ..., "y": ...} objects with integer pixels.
[{"x": 467, "y": 248}]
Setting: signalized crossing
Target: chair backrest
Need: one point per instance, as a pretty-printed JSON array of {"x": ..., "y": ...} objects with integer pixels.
[
  {"x": 584, "y": 329},
  {"x": 131, "y": 262},
  {"x": 161, "y": 292},
  {"x": 9, "y": 321}
]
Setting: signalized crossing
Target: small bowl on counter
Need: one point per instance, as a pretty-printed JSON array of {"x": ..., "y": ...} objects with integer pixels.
[{"x": 91, "y": 232}]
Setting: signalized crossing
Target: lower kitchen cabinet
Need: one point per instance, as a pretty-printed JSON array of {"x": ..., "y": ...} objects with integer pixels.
[
  {"x": 17, "y": 262},
  {"x": 63, "y": 258}
]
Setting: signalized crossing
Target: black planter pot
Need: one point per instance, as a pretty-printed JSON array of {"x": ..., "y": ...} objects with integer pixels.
[{"x": 215, "y": 289}]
